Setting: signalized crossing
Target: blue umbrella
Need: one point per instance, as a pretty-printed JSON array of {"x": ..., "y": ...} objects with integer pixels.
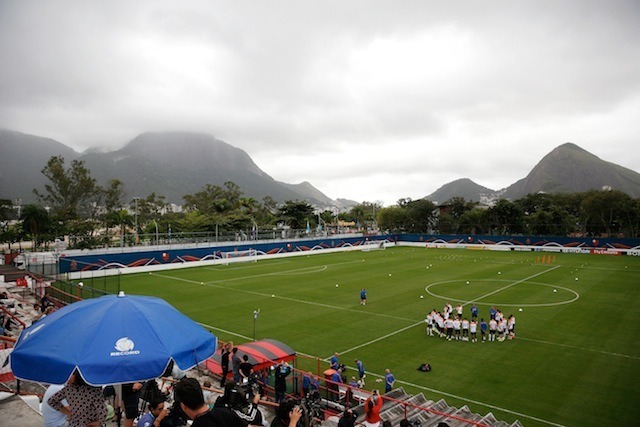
[{"x": 110, "y": 340}]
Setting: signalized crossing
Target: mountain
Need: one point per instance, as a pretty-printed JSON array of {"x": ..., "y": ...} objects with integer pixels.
[
  {"x": 569, "y": 169},
  {"x": 22, "y": 158},
  {"x": 170, "y": 164},
  {"x": 566, "y": 169},
  {"x": 464, "y": 188}
]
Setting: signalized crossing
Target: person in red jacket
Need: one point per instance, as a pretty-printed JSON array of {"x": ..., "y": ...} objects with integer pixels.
[{"x": 372, "y": 408}]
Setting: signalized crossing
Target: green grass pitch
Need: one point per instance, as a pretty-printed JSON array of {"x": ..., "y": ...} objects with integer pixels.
[{"x": 575, "y": 360}]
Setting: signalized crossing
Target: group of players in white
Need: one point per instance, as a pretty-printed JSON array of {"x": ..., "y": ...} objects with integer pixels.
[{"x": 450, "y": 324}]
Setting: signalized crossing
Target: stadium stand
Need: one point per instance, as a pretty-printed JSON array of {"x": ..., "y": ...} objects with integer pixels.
[{"x": 399, "y": 405}]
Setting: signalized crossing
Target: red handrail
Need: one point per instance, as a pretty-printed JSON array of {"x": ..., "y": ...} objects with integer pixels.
[{"x": 13, "y": 316}]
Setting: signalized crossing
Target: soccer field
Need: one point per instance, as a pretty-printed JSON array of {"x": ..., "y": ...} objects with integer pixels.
[{"x": 575, "y": 360}]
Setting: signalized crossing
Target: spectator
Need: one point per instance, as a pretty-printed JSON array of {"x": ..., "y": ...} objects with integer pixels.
[
  {"x": 235, "y": 398},
  {"x": 207, "y": 394},
  {"x": 348, "y": 418},
  {"x": 50, "y": 416},
  {"x": 372, "y": 407},
  {"x": 189, "y": 393},
  {"x": 353, "y": 382},
  {"x": 86, "y": 403},
  {"x": 224, "y": 361},
  {"x": 306, "y": 383},
  {"x": 287, "y": 414},
  {"x": 281, "y": 373},
  {"x": 130, "y": 397},
  {"x": 235, "y": 362},
  {"x": 153, "y": 418},
  {"x": 246, "y": 368},
  {"x": 389, "y": 380}
]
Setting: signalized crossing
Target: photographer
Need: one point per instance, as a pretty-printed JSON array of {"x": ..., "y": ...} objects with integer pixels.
[
  {"x": 243, "y": 400},
  {"x": 189, "y": 394},
  {"x": 287, "y": 414},
  {"x": 281, "y": 373},
  {"x": 153, "y": 418}
]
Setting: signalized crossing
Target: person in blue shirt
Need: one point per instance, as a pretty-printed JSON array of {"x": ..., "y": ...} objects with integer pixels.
[
  {"x": 363, "y": 296},
  {"x": 334, "y": 364},
  {"x": 306, "y": 383},
  {"x": 389, "y": 380},
  {"x": 474, "y": 312},
  {"x": 360, "y": 367},
  {"x": 156, "y": 414},
  {"x": 483, "y": 329}
]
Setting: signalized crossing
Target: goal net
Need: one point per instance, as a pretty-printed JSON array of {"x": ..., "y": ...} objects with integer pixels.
[
  {"x": 248, "y": 255},
  {"x": 373, "y": 245}
]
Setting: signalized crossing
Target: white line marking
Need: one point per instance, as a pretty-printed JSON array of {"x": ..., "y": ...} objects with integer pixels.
[
  {"x": 381, "y": 338},
  {"x": 296, "y": 300},
  {"x": 443, "y": 393},
  {"x": 512, "y": 284},
  {"x": 223, "y": 330},
  {"x": 234, "y": 268},
  {"x": 608, "y": 353}
]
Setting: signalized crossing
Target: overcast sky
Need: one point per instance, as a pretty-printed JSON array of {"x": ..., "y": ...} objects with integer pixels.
[{"x": 366, "y": 100}]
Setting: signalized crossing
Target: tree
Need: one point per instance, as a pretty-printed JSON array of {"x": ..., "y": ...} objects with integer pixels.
[
  {"x": 608, "y": 213},
  {"x": 506, "y": 217},
  {"x": 8, "y": 233},
  {"x": 70, "y": 191},
  {"x": 295, "y": 213},
  {"x": 421, "y": 216},
  {"x": 475, "y": 221},
  {"x": 35, "y": 222},
  {"x": 392, "y": 218}
]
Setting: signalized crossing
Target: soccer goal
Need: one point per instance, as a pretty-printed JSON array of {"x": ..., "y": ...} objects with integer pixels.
[
  {"x": 373, "y": 245},
  {"x": 247, "y": 255}
]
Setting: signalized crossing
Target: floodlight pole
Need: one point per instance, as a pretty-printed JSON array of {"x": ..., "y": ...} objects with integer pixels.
[{"x": 255, "y": 317}]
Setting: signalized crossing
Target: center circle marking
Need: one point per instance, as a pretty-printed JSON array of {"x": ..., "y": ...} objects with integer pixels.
[{"x": 549, "y": 304}]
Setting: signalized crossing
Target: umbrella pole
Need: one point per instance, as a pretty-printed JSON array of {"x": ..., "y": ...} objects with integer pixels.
[{"x": 118, "y": 402}]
